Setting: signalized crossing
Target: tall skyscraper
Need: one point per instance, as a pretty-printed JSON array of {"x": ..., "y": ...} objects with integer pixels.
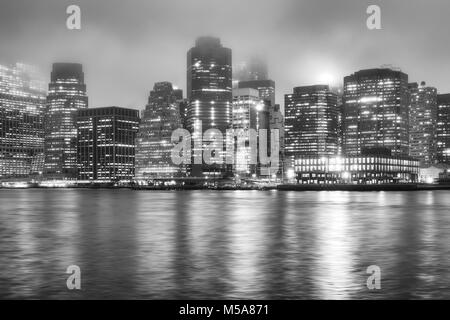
[
  {"x": 249, "y": 112},
  {"x": 375, "y": 113},
  {"x": 443, "y": 128},
  {"x": 22, "y": 106},
  {"x": 253, "y": 74},
  {"x": 106, "y": 144},
  {"x": 422, "y": 123},
  {"x": 161, "y": 117},
  {"x": 66, "y": 95},
  {"x": 311, "y": 127},
  {"x": 209, "y": 92},
  {"x": 209, "y": 84}
]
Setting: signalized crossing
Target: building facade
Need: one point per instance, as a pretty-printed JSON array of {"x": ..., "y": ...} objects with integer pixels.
[
  {"x": 249, "y": 112},
  {"x": 106, "y": 144},
  {"x": 66, "y": 96},
  {"x": 22, "y": 110},
  {"x": 209, "y": 92},
  {"x": 375, "y": 112},
  {"x": 422, "y": 123},
  {"x": 443, "y": 128},
  {"x": 311, "y": 123},
  {"x": 160, "y": 118},
  {"x": 266, "y": 88},
  {"x": 276, "y": 122},
  {"x": 362, "y": 169}
]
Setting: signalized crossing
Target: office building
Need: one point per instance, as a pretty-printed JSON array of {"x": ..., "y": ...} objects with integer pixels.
[
  {"x": 249, "y": 112},
  {"x": 422, "y": 123},
  {"x": 443, "y": 128},
  {"x": 266, "y": 88},
  {"x": 311, "y": 123},
  {"x": 22, "y": 109},
  {"x": 209, "y": 92},
  {"x": 362, "y": 169},
  {"x": 160, "y": 118},
  {"x": 375, "y": 112},
  {"x": 106, "y": 144},
  {"x": 66, "y": 96}
]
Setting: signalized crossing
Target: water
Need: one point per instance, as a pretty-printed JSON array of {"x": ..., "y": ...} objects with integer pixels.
[{"x": 227, "y": 244}]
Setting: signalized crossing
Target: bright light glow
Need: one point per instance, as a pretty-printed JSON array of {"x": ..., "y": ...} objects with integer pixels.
[
  {"x": 370, "y": 99},
  {"x": 290, "y": 174},
  {"x": 14, "y": 185},
  {"x": 346, "y": 175},
  {"x": 326, "y": 78}
]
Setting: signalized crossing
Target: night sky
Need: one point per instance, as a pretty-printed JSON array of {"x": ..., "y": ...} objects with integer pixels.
[{"x": 126, "y": 46}]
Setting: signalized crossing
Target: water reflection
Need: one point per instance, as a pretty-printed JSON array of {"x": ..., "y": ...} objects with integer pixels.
[{"x": 233, "y": 244}]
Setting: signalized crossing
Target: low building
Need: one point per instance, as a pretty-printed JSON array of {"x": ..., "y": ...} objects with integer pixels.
[
  {"x": 433, "y": 173},
  {"x": 363, "y": 169},
  {"x": 106, "y": 144}
]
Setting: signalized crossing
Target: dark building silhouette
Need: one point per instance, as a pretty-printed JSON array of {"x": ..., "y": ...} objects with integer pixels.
[
  {"x": 443, "y": 128},
  {"x": 276, "y": 122},
  {"x": 375, "y": 112},
  {"x": 66, "y": 95},
  {"x": 106, "y": 144},
  {"x": 209, "y": 93},
  {"x": 311, "y": 122},
  {"x": 160, "y": 118},
  {"x": 422, "y": 123},
  {"x": 182, "y": 106}
]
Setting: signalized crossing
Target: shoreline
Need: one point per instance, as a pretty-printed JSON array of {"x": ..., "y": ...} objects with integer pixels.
[{"x": 281, "y": 187}]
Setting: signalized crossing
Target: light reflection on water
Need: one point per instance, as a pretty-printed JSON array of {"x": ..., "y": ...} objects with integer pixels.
[{"x": 232, "y": 244}]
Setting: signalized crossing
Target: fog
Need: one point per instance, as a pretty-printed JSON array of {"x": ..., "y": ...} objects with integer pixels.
[{"x": 126, "y": 46}]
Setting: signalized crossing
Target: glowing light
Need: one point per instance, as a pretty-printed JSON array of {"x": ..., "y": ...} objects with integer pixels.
[
  {"x": 346, "y": 175},
  {"x": 326, "y": 78},
  {"x": 290, "y": 174}
]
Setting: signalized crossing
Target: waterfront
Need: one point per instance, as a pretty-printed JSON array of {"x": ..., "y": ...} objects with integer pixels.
[{"x": 224, "y": 244}]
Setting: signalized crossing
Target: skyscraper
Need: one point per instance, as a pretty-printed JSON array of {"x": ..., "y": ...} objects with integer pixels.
[
  {"x": 67, "y": 95},
  {"x": 249, "y": 112},
  {"x": 375, "y": 113},
  {"x": 443, "y": 128},
  {"x": 22, "y": 106},
  {"x": 209, "y": 84},
  {"x": 161, "y": 117},
  {"x": 253, "y": 74},
  {"x": 422, "y": 123},
  {"x": 209, "y": 92},
  {"x": 311, "y": 127},
  {"x": 106, "y": 144}
]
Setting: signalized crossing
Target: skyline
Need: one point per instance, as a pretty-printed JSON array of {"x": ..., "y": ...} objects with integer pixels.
[{"x": 157, "y": 39}]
